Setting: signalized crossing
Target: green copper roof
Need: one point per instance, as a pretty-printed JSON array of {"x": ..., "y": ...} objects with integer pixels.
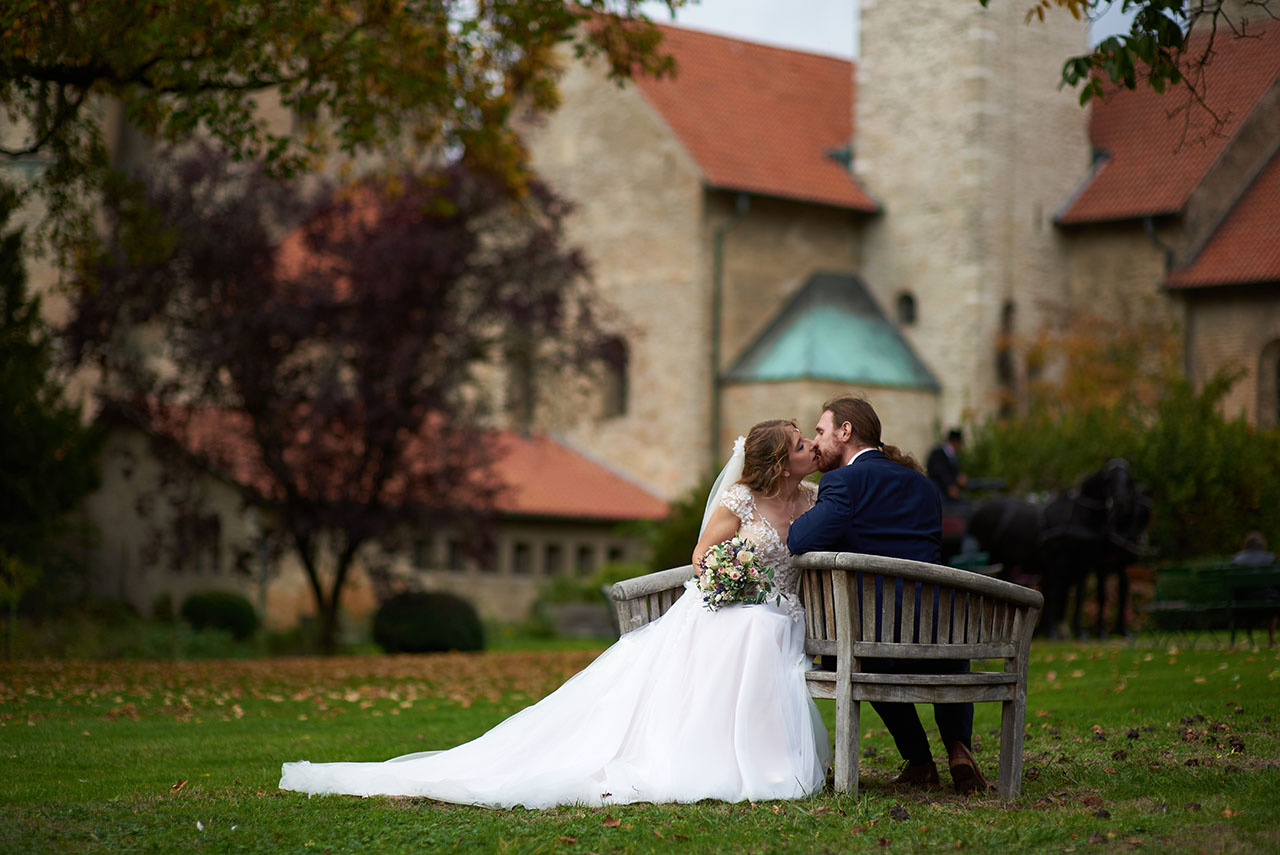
[{"x": 832, "y": 330}]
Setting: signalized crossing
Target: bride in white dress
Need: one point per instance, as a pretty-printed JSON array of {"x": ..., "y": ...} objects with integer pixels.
[{"x": 696, "y": 705}]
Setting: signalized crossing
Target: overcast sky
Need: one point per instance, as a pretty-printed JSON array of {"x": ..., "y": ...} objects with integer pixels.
[{"x": 821, "y": 26}]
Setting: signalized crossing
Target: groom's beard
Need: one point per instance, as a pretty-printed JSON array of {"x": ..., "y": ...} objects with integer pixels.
[{"x": 828, "y": 461}]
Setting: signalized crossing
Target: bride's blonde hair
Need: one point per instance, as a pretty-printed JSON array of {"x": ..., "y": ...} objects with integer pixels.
[{"x": 764, "y": 462}]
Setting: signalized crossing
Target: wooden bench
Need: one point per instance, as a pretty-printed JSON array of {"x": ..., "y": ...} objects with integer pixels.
[
  {"x": 969, "y": 616},
  {"x": 942, "y": 613},
  {"x": 638, "y": 601}
]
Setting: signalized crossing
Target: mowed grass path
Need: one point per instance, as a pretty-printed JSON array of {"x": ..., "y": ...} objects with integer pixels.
[{"x": 1135, "y": 747}]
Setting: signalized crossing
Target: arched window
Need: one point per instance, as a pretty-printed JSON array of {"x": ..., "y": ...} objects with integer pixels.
[
  {"x": 1269, "y": 386},
  {"x": 615, "y": 357},
  {"x": 906, "y": 309},
  {"x": 1006, "y": 366}
]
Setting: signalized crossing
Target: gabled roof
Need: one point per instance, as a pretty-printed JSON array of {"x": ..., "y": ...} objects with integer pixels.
[
  {"x": 1245, "y": 248},
  {"x": 1154, "y": 150},
  {"x": 545, "y": 477},
  {"x": 760, "y": 119},
  {"x": 833, "y": 330},
  {"x": 541, "y": 476}
]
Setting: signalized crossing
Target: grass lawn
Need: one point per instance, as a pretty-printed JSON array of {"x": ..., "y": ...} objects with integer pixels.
[{"x": 1142, "y": 747}]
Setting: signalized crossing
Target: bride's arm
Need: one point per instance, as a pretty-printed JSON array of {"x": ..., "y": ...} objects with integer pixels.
[{"x": 722, "y": 526}]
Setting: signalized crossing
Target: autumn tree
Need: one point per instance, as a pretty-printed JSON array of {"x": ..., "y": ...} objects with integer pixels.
[
  {"x": 397, "y": 77},
  {"x": 336, "y": 369}
]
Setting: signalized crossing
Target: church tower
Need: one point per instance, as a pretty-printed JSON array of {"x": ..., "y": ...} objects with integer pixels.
[{"x": 963, "y": 135}]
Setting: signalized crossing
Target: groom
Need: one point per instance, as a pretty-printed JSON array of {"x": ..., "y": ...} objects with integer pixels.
[{"x": 873, "y": 499}]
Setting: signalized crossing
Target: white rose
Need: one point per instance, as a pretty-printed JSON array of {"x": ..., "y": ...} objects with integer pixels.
[{"x": 745, "y": 557}]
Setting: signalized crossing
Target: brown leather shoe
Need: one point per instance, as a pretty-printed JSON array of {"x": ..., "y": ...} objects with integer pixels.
[
  {"x": 964, "y": 770},
  {"x": 918, "y": 775}
]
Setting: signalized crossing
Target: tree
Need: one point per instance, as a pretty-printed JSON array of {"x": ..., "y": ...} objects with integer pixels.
[
  {"x": 420, "y": 76},
  {"x": 1170, "y": 42},
  {"x": 48, "y": 459},
  {"x": 337, "y": 370},
  {"x": 1112, "y": 388}
]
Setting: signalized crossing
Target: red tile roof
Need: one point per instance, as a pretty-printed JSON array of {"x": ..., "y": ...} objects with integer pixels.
[
  {"x": 1246, "y": 247},
  {"x": 542, "y": 477},
  {"x": 1148, "y": 169},
  {"x": 759, "y": 118},
  {"x": 547, "y": 478}
]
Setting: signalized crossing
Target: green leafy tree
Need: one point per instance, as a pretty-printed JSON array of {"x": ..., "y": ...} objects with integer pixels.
[
  {"x": 47, "y": 457},
  {"x": 1169, "y": 43},
  {"x": 411, "y": 76},
  {"x": 1117, "y": 392}
]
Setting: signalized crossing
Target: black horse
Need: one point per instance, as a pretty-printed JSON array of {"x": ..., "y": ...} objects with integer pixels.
[{"x": 1098, "y": 528}]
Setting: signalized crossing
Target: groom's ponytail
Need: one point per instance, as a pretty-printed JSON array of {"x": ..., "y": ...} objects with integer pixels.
[{"x": 866, "y": 426}]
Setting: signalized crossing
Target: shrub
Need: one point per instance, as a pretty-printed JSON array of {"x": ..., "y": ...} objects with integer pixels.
[
  {"x": 221, "y": 610},
  {"x": 427, "y": 622},
  {"x": 1211, "y": 479}
]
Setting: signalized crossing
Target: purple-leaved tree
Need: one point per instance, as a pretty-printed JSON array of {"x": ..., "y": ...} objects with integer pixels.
[{"x": 327, "y": 352}]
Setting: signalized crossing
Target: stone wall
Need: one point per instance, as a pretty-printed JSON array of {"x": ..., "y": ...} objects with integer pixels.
[
  {"x": 963, "y": 135},
  {"x": 640, "y": 221},
  {"x": 1235, "y": 328}
]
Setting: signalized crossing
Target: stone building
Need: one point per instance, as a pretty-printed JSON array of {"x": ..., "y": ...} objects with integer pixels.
[
  {"x": 171, "y": 526},
  {"x": 945, "y": 185},
  {"x": 772, "y": 227}
]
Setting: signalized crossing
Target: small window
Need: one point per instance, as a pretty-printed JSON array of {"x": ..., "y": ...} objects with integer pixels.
[
  {"x": 1269, "y": 386},
  {"x": 456, "y": 560},
  {"x": 424, "y": 553},
  {"x": 553, "y": 559},
  {"x": 522, "y": 559},
  {"x": 906, "y": 309},
  {"x": 586, "y": 563},
  {"x": 616, "y": 554},
  {"x": 615, "y": 358}
]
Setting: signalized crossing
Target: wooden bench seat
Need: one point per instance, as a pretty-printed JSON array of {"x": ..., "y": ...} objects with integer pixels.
[{"x": 941, "y": 613}]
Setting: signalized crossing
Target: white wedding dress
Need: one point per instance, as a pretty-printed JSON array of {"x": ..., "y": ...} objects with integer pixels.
[{"x": 696, "y": 705}]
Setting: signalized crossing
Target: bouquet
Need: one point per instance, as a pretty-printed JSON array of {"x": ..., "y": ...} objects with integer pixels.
[{"x": 728, "y": 573}]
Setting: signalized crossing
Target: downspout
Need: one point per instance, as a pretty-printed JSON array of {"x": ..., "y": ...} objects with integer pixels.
[
  {"x": 741, "y": 206},
  {"x": 1149, "y": 226}
]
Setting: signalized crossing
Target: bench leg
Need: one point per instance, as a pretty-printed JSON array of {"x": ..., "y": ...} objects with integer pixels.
[
  {"x": 848, "y": 725},
  {"x": 1012, "y": 724}
]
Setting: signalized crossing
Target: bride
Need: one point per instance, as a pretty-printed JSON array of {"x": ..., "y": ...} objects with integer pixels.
[{"x": 696, "y": 705}]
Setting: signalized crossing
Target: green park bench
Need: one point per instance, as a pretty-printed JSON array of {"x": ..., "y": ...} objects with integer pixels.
[{"x": 1214, "y": 596}]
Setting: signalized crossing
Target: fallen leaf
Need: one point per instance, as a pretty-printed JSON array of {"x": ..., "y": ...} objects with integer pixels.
[
  {"x": 564, "y": 838},
  {"x": 898, "y": 813},
  {"x": 882, "y": 841},
  {"x": 612, "y": 822},
  {"x": 1191, "y": 806},
  {"x": 1228, "y": 812},
  {"x": 1102, "y": 813},
  {"x": 178, "y": 786}
]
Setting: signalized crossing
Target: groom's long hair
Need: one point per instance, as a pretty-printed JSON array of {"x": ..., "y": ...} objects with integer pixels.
[{"x": 859, "y": 413}]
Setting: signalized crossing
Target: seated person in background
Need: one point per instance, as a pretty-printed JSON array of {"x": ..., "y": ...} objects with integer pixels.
[{"x": 1254, "y": 552}]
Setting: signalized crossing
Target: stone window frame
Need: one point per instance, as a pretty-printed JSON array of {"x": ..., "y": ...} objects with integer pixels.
[{"x": 1268, "y": 415}]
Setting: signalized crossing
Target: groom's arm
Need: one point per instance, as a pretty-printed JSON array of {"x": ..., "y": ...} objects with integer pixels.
[{"x": 825, "y": 526}]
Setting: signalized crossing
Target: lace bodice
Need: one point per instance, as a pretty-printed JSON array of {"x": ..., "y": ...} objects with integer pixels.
[{"x": 771, "y": 548}]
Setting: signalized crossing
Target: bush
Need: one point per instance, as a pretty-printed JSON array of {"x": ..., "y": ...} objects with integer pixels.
[
  {"x": 1211, "y": 479},
  {"x": 427, "y": 622},
  {"x": 221, "y": 610}
]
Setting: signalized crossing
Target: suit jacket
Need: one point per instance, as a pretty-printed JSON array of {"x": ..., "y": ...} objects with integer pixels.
[
  {"x": 942, "y": 469},
  {"x": 874, "y": 506}
]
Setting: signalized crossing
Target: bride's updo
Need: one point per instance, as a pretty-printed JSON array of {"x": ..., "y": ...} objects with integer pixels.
[{"x": 767, "y": 449}]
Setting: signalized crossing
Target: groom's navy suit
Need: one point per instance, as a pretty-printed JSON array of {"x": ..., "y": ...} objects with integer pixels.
[{"x": 879, "y": 507}]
